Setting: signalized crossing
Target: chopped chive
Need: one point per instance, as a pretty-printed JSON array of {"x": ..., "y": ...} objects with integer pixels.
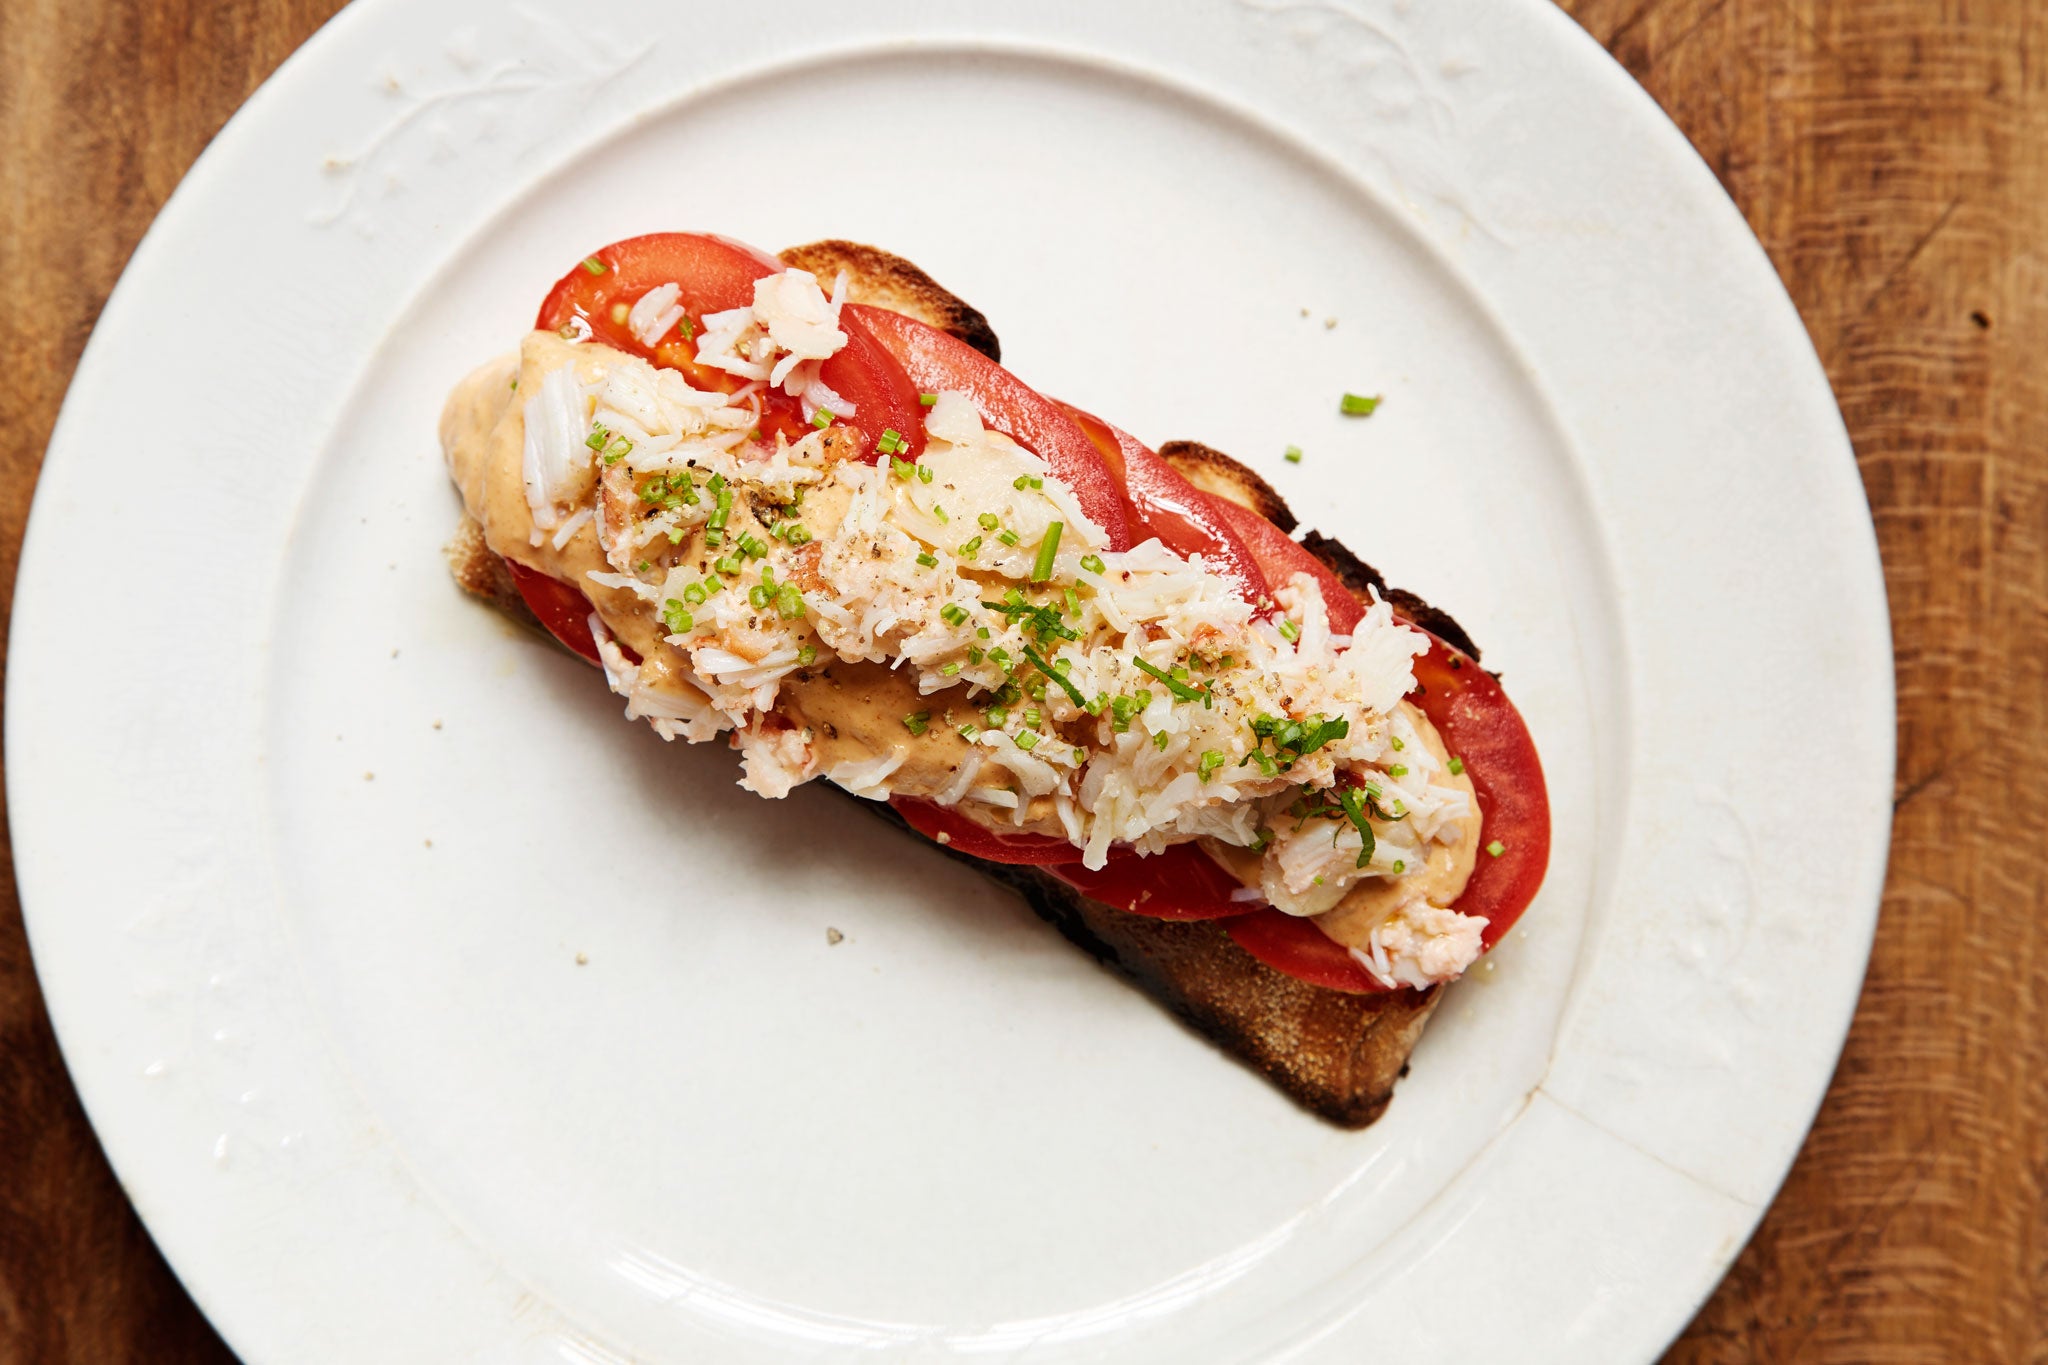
[
  {"x": 1358, "y": 405},
  {"x": 758, "y": 597},
  {"x": 1496, "y": 848},
  {"x": 789, "y": 603},
  {"x": 902, "y": 469},
  {"x": 974, "y": 654},
  {"x": 695, "y": 594},
  {"x": 981, "y": 632},
  {"x": 1159, "y": 741},
  {"x": 998, "y": 716},
  {"x": 891, "y": 441},
  {"x": 1354, "y": 811},
  {"x": 1098, "y": 705},
  {"x": 1267, "y": 767},
  {"x": 917, "y": 722},
  {"x": 970, "y": 547},
  {"x": 1456, "y": 765},
  {"x": 821, "y": 419},
  {"x": 1174, "y": 685},
  {"x": 798, "y": 535},
  {"x": 593, "y": 265},
  {"x": 729, "y": 565},
  {"x": 1398, "y": 745},
  {"x": 807, "y": 656},
  {"x": 1008, "y": 537},
  {"x": 1293, "y": 455},
  {"x": 689, "y": 332},
  {"x": 924, "y": 473},
  {"x": 675, "y": 617},
  {"x": 1080, "y": 755},
  {"x": 1073, "y": 600},
  {"x": 1032, "y": 717},
  {"x": 989, "y": 521},
  {"x": 928, "y": 559},
  {"x": 1399, "y": 867},
  {"x": 1398, "y": 770},
  {"x": 953, "y": 613},
  {"x": 1027, "y": 741},
  {"x": 951, "y": 670},
  {"x": 1289, "y": 631},
  {"x": 927, "y": 399},
  {"x": 969, "y": 730},
  {"x": 1093, "y": 563},
  {"x": 940, "y": 513},
  {"x": 1041, "y": 569},
  {"x": 1021, "y": 482},
  {"x": 1212, "y": 759}
]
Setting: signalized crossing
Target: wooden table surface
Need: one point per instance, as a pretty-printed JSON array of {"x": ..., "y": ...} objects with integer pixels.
[{"x": 1892, "y": 155}]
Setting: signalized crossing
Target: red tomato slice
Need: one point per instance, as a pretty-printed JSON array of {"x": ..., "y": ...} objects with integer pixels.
[
  {"x": 1481, "y": 726},
  {"x": 563, "y": 610},
  {"x": 1183, "y": 517},
  {"x": 1181, "y": 883},
  {"x": 1294, "y": 945},
  {"x": 1281, "y": 558},
  {"x": 715, "y": 274},
  {"x": 964, "y": 836},
  {"x": 937, "y": 361}
]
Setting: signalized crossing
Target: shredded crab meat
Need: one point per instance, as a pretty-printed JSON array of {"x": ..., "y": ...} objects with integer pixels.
[{"x": 1420, "y": 944}]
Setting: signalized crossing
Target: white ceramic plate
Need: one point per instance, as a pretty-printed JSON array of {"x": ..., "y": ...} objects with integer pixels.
[{"x": 428, "y": 1011}]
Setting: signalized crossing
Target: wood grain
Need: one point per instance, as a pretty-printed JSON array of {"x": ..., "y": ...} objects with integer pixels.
[{"x": 1892, "y": 155}]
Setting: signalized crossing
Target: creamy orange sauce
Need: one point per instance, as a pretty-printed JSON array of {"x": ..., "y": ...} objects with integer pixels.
[
  {"x": 850, "y": 711},
  {"x": 1372, "y": 899}
]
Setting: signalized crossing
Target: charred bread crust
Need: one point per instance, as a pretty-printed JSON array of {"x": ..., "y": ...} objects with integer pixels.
[
  {"x": 1214, "y": 472},
  {"x": 873, "y": 276},
  {"x": 1210, "y": 470},
  {"x": 1335, "y": 1054}
]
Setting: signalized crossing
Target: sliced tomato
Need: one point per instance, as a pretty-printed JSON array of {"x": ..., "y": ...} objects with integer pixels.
[
  {"x": 1481, "y": 726},
  {"x": 713, "y": 275},
  {"x": 962, "y": 835},
  {"x": 1181, "y": 883},
  {"x": 1280, "y": 558},
  {"x": 936, "y": 361},
  {"x": 1294, "y": 945},
  {"x": 563, "y": 610},
  {"x": 1162, "y": 502}
]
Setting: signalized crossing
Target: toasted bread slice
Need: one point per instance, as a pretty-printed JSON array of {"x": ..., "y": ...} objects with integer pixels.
[{"x": 1336, "y": 1054}]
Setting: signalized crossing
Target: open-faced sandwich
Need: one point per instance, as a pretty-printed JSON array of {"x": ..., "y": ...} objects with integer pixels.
[{"x": 797, "y": 503}]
